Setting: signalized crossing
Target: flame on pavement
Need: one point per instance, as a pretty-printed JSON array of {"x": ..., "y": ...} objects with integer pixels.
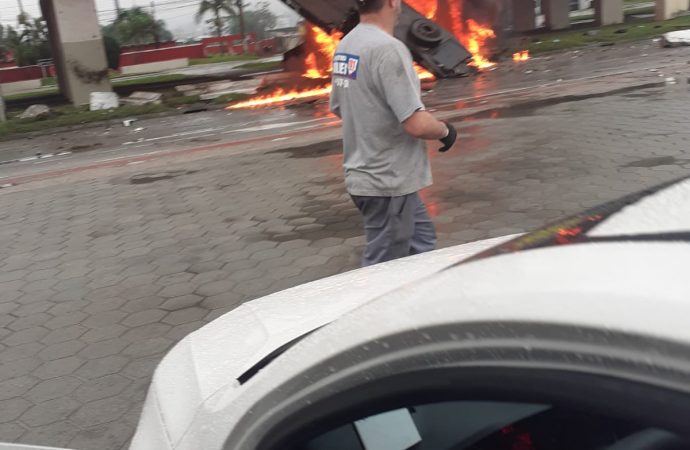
[
  {"x": 282, "y": 96},
  {"x": 521, "y": 56}
]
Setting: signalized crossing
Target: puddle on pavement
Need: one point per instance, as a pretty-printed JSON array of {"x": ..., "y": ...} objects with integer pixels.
[
  {"x": 84, "y": 147},
  {"x": 660, "y": 161},
  {"x": 319, "y": 150},
  {"x": 147, "y": 178},
  {"x": 504, "y": 113}
]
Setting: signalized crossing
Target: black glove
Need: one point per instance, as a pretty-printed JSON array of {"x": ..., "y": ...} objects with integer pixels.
[{"x": 449, "y": 140}]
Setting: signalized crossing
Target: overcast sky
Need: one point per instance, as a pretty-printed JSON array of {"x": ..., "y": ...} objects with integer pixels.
[{"x": 179, "y": 14}]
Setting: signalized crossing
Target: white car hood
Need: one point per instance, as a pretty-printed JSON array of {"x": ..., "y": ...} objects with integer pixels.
[{"x": 213, "y": 357}]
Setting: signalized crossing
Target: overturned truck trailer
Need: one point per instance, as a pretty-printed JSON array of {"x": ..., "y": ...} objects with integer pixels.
[{"x": 432, "y": 47}]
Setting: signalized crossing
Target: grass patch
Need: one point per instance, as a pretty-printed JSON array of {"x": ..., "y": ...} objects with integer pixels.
[
  {"x": 175, "y": 99},
  {"x": 50, "y": 81},
  {"x": 611, "y": 34},
  {"x": 151, "y": 80},
  {"x": 32, "y": 94},
  {"x": 64, "y": 116},
  {"x": 221, "y": 59},
  {"x": 271, "y": 65},
  {"x": 229, "y": 98}
]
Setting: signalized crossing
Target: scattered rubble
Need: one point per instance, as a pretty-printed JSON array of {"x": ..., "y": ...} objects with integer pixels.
[
  {"x": 35, "y": 112},
  {"x": 210, "y": 91},
  {"x": 143, "y": 98}
]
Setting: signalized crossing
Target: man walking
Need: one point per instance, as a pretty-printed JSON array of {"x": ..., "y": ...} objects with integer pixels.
[{"x": 376, "y": 92}]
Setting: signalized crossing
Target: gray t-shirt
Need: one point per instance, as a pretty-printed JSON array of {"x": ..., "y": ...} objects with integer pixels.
[{"x": 375, "y": 89}]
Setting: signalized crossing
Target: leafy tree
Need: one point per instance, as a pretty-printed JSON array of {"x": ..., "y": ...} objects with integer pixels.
[
  {"x": 137, "y": 26},
  {"x": 28, "y": 42},
  {"x": 112, "y": 51},
  {"x": 240, "y": 15},
  {"x": 258, "y": 21},
  {"x": 218, "y": 8}
]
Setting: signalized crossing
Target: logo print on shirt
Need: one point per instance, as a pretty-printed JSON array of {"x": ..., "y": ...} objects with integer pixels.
[{"x": 346, "y": 65}]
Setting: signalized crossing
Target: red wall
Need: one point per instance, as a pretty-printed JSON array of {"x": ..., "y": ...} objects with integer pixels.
[
  {"x": 209, "y": 46},
  {"x": 214, "y": 45},
  {"x": 14, "y": 74},
  {"x": 164, "y": 54},
  {"x": 143, "y": 47}
]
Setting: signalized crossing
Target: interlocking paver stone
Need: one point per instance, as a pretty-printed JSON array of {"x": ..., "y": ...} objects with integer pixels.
[
  {"x": 100, "y": 388},
  {"x": 97, "y": 368},
  {"x": 50, "y": 411},
  {"x": 58, "y": 367},
  {"x": 185, "y": 315},
  {"x": 15, "y": 387},
  {"x": 12, "y": 409},
  {"x": 53, "y": 388}
]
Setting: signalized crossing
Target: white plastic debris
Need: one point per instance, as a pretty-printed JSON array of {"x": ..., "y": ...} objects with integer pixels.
[
  {"x": 104, "y": 100},
  {"x": 676, "y": 38},
  {"x": 128, "y": 122}
]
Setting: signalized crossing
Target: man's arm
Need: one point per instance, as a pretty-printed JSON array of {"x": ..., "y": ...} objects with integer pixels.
[
  {"x": 400, "y": 85},
  {"x": 422, "y": 125},
  {"x": 334, "y": 104}
]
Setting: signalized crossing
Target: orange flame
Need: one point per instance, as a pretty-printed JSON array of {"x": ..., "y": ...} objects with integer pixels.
[
  {"x": 326, "y": 44},
  {"x": 424, "y": 7},
  {"x": 281, "y": 96},
  {"x": 521, "y": 56},
  {"x": 473, "y": 35},
  {"x": 475, "y": 41},
  {"x": 423, "y": 73}
]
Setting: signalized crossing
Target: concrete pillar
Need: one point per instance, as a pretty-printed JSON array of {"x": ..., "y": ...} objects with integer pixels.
[
  {"x": 557, "y": 13},
  {"x": 524, "y": 17},
  {"x": 78, "y": 49},
  {"x": 609, "y": 12},
  {"x": 668, "y": 9}
]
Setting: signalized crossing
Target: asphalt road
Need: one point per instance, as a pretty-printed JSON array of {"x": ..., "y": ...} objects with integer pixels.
[{"x": 108, "y": 142}]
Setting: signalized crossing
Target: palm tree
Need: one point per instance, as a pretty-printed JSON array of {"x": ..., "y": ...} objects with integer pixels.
[
  {"x": 240, "y": 11},
  {"x": 137, "y": 26},
  {"x": 217, "y": 7}
]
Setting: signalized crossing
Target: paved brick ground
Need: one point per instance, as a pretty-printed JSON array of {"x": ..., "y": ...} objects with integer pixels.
[{"x": 99, "y": 277}]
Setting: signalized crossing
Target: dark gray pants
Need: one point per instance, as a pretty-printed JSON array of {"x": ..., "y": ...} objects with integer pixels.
[{"x": 395, "y": 227}]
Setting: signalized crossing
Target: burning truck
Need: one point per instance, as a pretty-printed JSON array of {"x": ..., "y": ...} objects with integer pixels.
[{"x": 447, "y": 38}]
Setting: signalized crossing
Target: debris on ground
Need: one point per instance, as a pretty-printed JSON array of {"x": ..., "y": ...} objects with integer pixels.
[
  {"x": 104, "y": 100},
  {"x": 676, "y": 38},
  {"x": 213, "y": 90},
  {"x": 194, "y": 108},
  {"x": 35, "y": 112},
  {"x": 128, "y": 122},
  {"x": 140, "y": 98}
]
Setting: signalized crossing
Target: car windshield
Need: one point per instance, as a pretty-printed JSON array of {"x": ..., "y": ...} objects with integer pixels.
[{"x": 493, "y": 426}]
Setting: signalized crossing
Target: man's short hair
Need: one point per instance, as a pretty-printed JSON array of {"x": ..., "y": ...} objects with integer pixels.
[{"x": 369, "y": 6}]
